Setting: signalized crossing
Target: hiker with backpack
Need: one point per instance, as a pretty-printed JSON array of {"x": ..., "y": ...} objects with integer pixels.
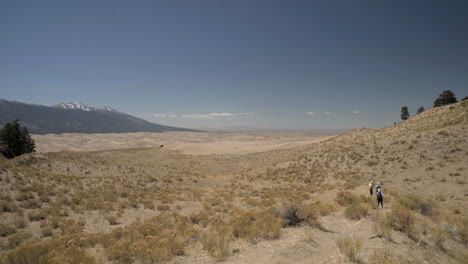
[
  {"x": 371, "y": 187},
  {"x": 377, "y": 187},
  {"x": 380, "y": 196}
]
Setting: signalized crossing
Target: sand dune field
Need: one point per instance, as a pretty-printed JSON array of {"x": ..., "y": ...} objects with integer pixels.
[{"x": 193, "y": 143}]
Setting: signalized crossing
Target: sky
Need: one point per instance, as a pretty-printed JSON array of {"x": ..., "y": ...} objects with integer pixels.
[{"x": 237, "y": 64}]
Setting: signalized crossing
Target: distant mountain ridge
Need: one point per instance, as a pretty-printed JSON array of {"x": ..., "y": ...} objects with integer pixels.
[
  {"x": 76, "y": 118},
  {"x": 84, "y": 107}
]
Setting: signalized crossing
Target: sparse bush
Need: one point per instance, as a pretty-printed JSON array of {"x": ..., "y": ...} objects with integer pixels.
[
  {"x": 163, "y": 207},
  {"x": 38, "y": 215},
  {"x": 462, "y": 257},
  {"x": 382, "y": 228},
  {"x": 350, "y": 247},
  {"x": 252, "y": 225},
  {"x": 19, "y": 222},
  {"x": 347, "y": 198},
  {"x": 23, "y": 196},
  {"x": 6, "y": 206},
  {"x": 6, "y": 230},
  {"x": 289, "y": 213},
  {"x": 201, "y": 218},
  {"x": 154, "y": 240},
  {"x": 71, "y": 255},
  {"x": 18, "y": 238},
  {"x": 217, "y": 242},
  {"x": 356, "y": 211},
  {"x": 439, "y": 236},
  {"x": 46, "y": 231},
  {"x": 382, "y": 256},
  {"x": 32, "y": 204},
  {"x": 416, "y": 203},
  {"x": 112, "y": 220},
  {"x": 401, "y": 219},
  {"x": 29, "y": 253}
]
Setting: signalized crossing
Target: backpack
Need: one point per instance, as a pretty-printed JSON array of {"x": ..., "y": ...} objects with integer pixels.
[{"x": 379, "y": 194}]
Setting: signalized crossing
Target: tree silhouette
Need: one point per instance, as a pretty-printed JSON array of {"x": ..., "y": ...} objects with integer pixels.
[
  {"x": 445, "y": 98},
  {"x": 420, "y": 110},
  {"x": 404, "y": 113},
  {"x": 15, "y": 141}
]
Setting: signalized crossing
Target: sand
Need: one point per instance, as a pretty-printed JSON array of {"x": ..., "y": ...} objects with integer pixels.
[{"x": 193, "y": 143}]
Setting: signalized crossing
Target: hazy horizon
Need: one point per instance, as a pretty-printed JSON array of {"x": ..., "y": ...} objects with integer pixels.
[{"x": 300, "y": 65}]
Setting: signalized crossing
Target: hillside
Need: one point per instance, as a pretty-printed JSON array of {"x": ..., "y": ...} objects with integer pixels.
[
  {"x": 306, "y": 204},
  {"x": 41, "y": 119}
]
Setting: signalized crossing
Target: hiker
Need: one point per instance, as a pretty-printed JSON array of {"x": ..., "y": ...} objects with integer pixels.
[
  {"x": 380, "y": 196},
  {"x": 378, "y": 186},
  {"x": 371, "y": 187}
]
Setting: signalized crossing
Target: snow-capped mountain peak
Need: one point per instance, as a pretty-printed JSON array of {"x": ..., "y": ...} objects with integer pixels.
[
  {"x": 109, "y": 109},
  {"x": 76, "y": 106}
]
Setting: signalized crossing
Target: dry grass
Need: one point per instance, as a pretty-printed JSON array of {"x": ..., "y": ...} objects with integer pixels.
[
  {"x": 350, "y": 247},
  {"x": 150, "y": 205},
  {"x": 382, "y": 227}
]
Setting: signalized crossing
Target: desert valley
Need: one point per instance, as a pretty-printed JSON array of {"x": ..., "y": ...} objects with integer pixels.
[{"x": 242, "y": 198}]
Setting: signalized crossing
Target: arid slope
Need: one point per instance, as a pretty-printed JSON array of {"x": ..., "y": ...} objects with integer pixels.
[{"x": 304, "y": 204}]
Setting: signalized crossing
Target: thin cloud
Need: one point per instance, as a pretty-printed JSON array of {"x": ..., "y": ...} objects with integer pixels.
[
  {"x": 311, "y": 113},
  {"x": 327, "y": 113},
  {"x": 197, "y": 116},
  {"x": 355, "y": 112},
  {"x": 221, "y": 114},
  {"x": 215, "y": 115},
  {"x": 164, "y": 115}
]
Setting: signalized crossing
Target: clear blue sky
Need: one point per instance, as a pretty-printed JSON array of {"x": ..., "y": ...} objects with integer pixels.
[{"x": 237, "y": 63}]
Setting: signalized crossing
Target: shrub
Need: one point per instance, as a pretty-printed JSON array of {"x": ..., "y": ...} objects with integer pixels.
[
  {"x": 356, "y": 211},
  {"x": 29, "y": 253},
  {"x": 310, "y": 213},
  {"x": 401, "y": 219},
  {"x": 416, "y": 203},
  {"x": 121, "y": 252},
  {"x": 46, "y": 232},
  {"x": 18, "y": 238},
  {"x": 382, "y": 228},
  {"x": 6, "y": 230},
  {"x": 32, "y": 204},
  {"x": 154, "y": 240},
  {"x": 19, "y": 222},
  {"x": 289, "y": 213},
  {"x": 382, "y": 256},
  {"x": 347, "y": 198},
  {"x": 217, "y": 242},
  {"x": 112, "y": 220},
  {"x": 201, "y": 218},
  {"x": 157, "y": 250},
  {"x": 72, "y": 255},
  {"x": 23, "y": 196},
  {"x": 438, "y": 235},
  {"x": 350, "y": 247},
  {"x": 6, "y": 206},
  {"x": 38, "y": 215},
  {"x": 252, "y": 225}
]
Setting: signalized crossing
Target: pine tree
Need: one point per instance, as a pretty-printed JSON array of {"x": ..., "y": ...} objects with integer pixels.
[
  {"x": 420, "y": 110},
  {"x": 445, "y": 98},
  {"x": 404, "y": 113},
  {"x": 15, "y": 141}
]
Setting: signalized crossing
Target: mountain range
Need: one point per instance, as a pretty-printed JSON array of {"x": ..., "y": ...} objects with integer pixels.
[{"x": 76, "y": 118}]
